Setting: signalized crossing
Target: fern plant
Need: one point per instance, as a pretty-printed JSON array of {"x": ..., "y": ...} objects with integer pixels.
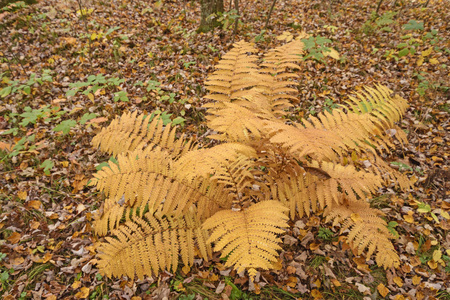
[{"x": 167, "y": 198}]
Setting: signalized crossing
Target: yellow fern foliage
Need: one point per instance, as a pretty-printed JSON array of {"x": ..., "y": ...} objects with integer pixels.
[
  {"x": 132, "y": 132},
  {"x": 167, "y": 199},
  {"x": 147, "y": 245},
  {"x": 367, "y": 230},
  {"x": 248, "y": 236}
]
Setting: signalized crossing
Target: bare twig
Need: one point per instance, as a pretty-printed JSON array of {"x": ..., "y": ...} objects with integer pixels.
[{"x": 270, "y": 13}]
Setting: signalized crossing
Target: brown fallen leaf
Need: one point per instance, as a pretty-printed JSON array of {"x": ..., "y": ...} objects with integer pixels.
[
  {"x": 34, "y": 204},
  {"x": 97, "y": 120},
  {"x": 14, "y": 238}
]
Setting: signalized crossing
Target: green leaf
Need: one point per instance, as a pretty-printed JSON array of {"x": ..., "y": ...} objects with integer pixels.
[
  {"x": 5, "y": 91},
  {"x": 392, "y": 224},
  {"x": 27, "y": 90},
  {"x": 413, "y": 25},
  {"x": 71, "y": 92},
  {"x": 178, "y": 120},
  {"x": 47, "y": 165},
  {"x": 65, "y": 126},
  {"x": 122, "y": 96},
  {"x": 403, "y": 52},
  {"x": 309, "y": 43},
  {"x": 86, "y": 117}
]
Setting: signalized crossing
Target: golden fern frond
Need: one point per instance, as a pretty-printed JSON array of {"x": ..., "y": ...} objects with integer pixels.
[
  {"x": 351, "y": 181},
  {"x": 131, "y": 132},
  {"x": 239, "y": 121},
  {"x": 149, "y": 182},
  {"x": 276, "y": 63},
  {"x": 109, "y": 216},
  {"x": 291, "y": 191},
  {"x": 366, "y": 231},
  {"x": 381, "y": 103},
  {"x": 392, "y": 176},
  {"x": 147, "y": 245},
  {"x": 204, "y": 162},
  {"x": 319, "y": 144},
  {"x": 229, "y": 164},
  {"x": 236, "y": 72},
  {"x": 352, "y": 129},
  {"x": 248, "y": 237}
]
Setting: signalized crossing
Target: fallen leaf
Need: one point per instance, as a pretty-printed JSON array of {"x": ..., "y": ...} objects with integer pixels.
[
  {"x": 332, "y": 53},
  {"x": 432, "y": 264},
  {"x": 408, "y": 218},
  {"x": 383, "y": 290},
  {"x": 434, "y": 61},
  {"x": 83, "y": 293},
  {"x": 22, "y": 195},
  {"x": 437, "y": 254},
  {"x": 5, "y": 146},
  {"x": 47, "y": 257},
  {"x": 97, "y": 120},
  {"x": 316, "y": 294},
  {"x": 398, "y": 281},
  {"x": 35, "y": 204},
  {"x": 76, "y": 284},
  {"x": 416, "y": 280},
  {"x": 335, "y": 282},
  {"x": 14, "y": 238}
]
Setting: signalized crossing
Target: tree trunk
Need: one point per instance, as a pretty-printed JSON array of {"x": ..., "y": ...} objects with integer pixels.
[{"x": 209, "y": 7}]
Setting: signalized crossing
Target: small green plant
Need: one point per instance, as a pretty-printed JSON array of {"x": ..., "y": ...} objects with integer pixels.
[
  {"x": 424, "y": 208},
  {"x": 14, "y": 6},
  {"x": 23, "y": 145},
  {"x": 260, "y": 37},
  {"x": 317, "y": 261},
  {"x": 325, "y": 234},
  {"x": 4, "y": 278},
  {"x": 16, "y": 86},
  {"x": 316, "y": 48},
  {"x": 226, "y": 19},
  {"x": 65, "y": 126},
  {"x": 401, "y": 166},
  {"x": 329, "y": 105},
  {"x": 378, "y": 23},
  {"x": 391, "y": 227},
  {"x": 122, "y": 96},
  {"x": 93, "y": 84},
  {"x": 413, "y": 25}
]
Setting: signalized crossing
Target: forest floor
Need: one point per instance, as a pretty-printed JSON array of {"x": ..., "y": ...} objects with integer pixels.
[{"x": 147, "y": 56}]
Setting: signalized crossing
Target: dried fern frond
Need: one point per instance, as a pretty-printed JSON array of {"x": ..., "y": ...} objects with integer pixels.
[
  {"x": 292, "y": 192},
  {"x": 238, "y": 121},
  {"x": 132, "y": 132},
  {"x": 381, "y": 103},
  {"x": 236, "y": 72},
  {"x": 317, "y": 143},
  {"x": 147, "y": 245},
  {"x": 277, "y": 63},
  {"x": 149, "y": 182},
  {"x": 391, "y": 176},
  {"x": 367, "y": 231},
  {"x": 248, "y": 237},
  {"x": 351, "y": 181},
  {"x": 204, "y": 162}
]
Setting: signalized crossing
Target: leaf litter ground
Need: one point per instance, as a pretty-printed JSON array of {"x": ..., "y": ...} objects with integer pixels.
[{"x": 117, "y": 56}]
